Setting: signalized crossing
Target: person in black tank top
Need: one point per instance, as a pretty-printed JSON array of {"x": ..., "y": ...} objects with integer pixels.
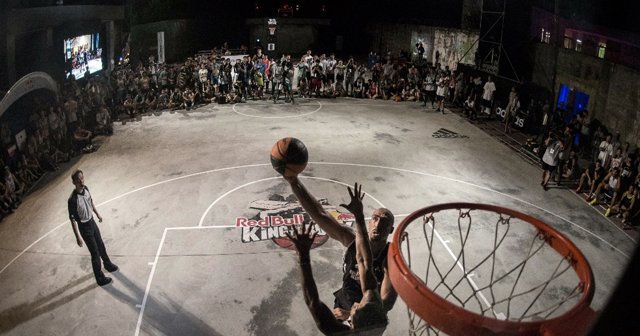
[
  {"x": 367, "y": 311},
  {"x": 379, "y": 228}
]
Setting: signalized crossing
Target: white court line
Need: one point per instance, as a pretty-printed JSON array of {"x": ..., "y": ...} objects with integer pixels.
[
  {"x": 146, "y": 291},
  {"x": 608, "y": 219},
  {"x": 483, "y": 188},
  {"x": 229, "y": 192},
  {"x": 126, "y": 194},
  {"x": 206, "y": 212},
  {"x": 328, "y": 163},
  {"x": 164, "y": 234},
  {"x": 278, "y": 117},
  {"x": 499, "y": 315}
]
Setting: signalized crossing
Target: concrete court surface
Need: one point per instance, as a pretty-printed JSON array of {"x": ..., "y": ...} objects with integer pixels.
[{"x": 173, "y": 188}]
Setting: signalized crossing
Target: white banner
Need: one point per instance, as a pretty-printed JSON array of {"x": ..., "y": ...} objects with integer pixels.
[{"x": 161, "y": 47}]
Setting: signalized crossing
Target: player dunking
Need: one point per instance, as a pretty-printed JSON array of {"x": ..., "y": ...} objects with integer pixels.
[{"x": 366, "y": 294}]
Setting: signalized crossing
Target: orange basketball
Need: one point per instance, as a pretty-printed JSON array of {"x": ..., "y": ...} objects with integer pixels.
[{"x": 289, "y": 156}]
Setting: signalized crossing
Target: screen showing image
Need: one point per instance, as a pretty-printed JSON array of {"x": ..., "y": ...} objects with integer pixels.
[{"x": 82, "y": 54}]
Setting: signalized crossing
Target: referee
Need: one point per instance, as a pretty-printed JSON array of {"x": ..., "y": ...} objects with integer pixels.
[{"x": 81, "y": 209}]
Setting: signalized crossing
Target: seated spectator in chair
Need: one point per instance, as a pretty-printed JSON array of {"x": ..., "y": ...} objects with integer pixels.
[
  {"x": 82, "y": 140},
  {"x": 103, "y": 121},
  {"x": 624, "y": 206},
  {"x": 610, "y": 183},
  {"x": 592, "y": 175}
]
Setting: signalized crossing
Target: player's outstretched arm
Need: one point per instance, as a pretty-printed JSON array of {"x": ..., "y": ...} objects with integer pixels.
[
  {"x": 329, "y": 224},
  {"x": 364, "y": 256},
  {"x": 322, "y": 315}
]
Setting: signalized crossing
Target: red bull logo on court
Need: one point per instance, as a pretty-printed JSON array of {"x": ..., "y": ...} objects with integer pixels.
[{"x": 275, "y": 219}]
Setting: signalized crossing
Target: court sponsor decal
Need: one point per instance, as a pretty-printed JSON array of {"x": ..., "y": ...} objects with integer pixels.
[
  {"x": 276, "y": 216},
  {"x": 445, "y": 133}
]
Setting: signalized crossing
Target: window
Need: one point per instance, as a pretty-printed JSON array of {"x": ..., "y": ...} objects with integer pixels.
[
  {"x": 545, "y": 35},
  {"x": 578, "y": 45},
  {"x": 568, "y": 42},
  {"x": 601, "y": 49}
]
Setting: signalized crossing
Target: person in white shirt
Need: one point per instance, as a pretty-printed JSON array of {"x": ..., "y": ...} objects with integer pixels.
[{"x": 487, "y": 94}]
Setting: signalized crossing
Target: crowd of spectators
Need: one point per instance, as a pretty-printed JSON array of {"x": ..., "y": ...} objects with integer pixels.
[
  {"x": 217, "y": 78},
  {"x": 59, "y": 130},
  {"x": 56, "y": 129},
  {"x": 611, "y": 168}
]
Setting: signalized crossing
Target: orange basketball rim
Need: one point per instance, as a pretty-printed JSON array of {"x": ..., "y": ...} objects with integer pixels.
[{"x": 440, "y": 314}]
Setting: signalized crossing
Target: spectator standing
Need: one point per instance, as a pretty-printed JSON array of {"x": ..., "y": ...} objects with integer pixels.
[
  {"x": 550, "y": 159},
  {"x": 71, "y": 112},
  {"x": 605, "y": 152},
  {"x": 488, "y": 90}
]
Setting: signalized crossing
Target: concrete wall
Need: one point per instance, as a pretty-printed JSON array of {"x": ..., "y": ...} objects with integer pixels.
[
  {"x": 183, "y": 38},
  {"x": 448, "y": 43},
  {"x": 614, "y": 93},
  {"x": 622, "y": 109},
  {"x": 294, "y": 36}
]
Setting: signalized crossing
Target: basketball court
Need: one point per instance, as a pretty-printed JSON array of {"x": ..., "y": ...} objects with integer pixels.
[{"x": 194, "y": 216}]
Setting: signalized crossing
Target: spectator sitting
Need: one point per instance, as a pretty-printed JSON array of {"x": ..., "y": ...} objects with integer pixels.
[
  {"x": 103, "y": 121},
  {"x": 372, "y": 91},
  {"x": 139, "y": 103},
  {"x": 129, "y": 106},
  {"x": 82, "y": 140},
  {"x": 469, "y": 106},
  {"x": 7, "y": 204},
  {"x": 57, "y": 149},
  {"x": 15, "y": 188},
  {"x": 591, "y": 175},
  {"x": 24, "y": 174},
  {"x": 570, "y": 170},
  {"x": 610, "y": 183},
  {"x": 163, "y": 99},
  {"x": 358, "y": 88},
  {"x": 175, "y": 102},
  {"x": 151, "y": 102},
  {"x": 623, "y": 207},
  {"x": 188, "y": 99},
  {"x": 616, "y": 159}
]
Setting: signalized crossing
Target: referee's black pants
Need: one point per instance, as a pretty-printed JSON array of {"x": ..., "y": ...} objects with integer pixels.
[{"x": 91, "y": 235}]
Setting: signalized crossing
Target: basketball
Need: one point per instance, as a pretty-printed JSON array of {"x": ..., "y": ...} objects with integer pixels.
[{"x": 289, "y": 156}]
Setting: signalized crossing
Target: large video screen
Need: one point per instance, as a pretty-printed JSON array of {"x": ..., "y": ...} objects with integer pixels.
[
  {"x": 447, "y": 46},
  {"x": 82, "y": 54}
]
